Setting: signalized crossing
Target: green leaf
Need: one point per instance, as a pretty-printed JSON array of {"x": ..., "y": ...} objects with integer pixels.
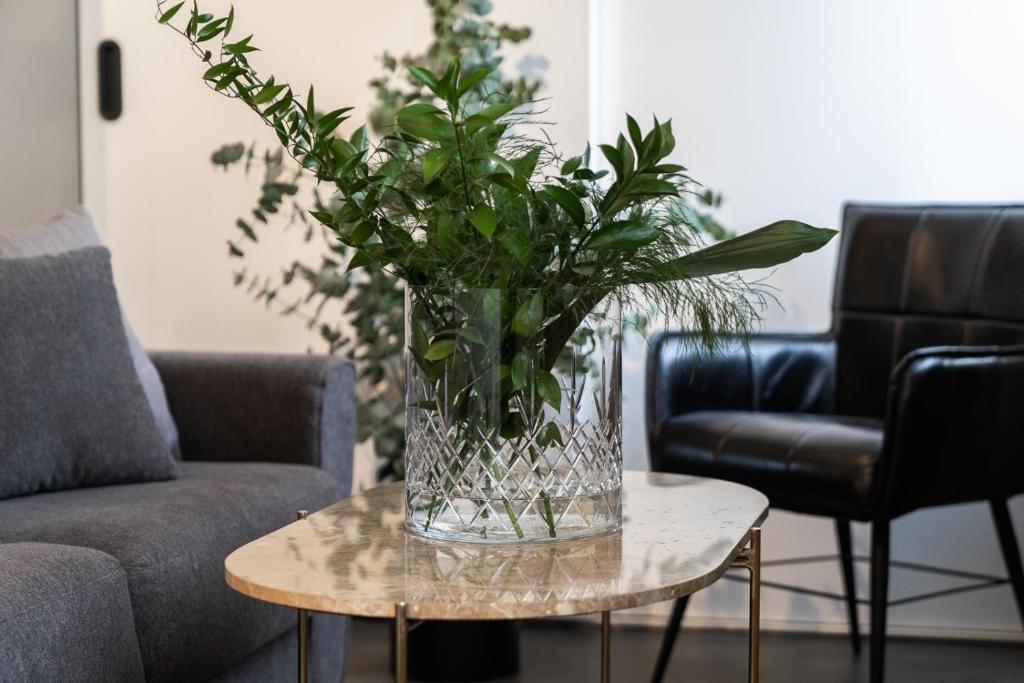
[
  {"x": 472, "y": 79},
  {"x": 230, "y": 22},
  {"x": 246, "y": 230},
  {"x": 484, "y": 219},
  {"x": 763, "y": 248},
  {"x": 548, "y": 388},
  {"x": 358, "y": 260},
  {"x": 496, "y": 111},
  {"x": 549, "y": 434},
  {"x": 279, "y": 106},
  {"x": 571, "y": 165},
  {"x": 360, "y": 138},
  {"x": 569, "y": 202},
  {"x": 634, "y": 132},
  {"x": 642, "y": 185},
  {"x": 326, "y": 124},
  {"x": 424, "y": 76},
  {"x": 234, "y": 251},
  {"x": 434, "y": 162},
  {"x": 211, "y": 30},
  {"x": 520, "y": 370},
  {"x": 424, "y": 121},
  {"x": 623, "y": 235},
  {"x": 476, "y": 123},
  {"x": 241, "y": 47},
  {"x": 498, "y": 161},
  {"x": 440, "y": 349},
  {"x": 169, "y": 14},
  {"x": 472, "y": 334},
  {"x": 218, "y": 70},
  {"x": 267, "y": 93},
  {"x": 526, "y": 164},
  {"x": 668, "y": 141},
  {"x": 517, "y": 242},
  {"x": 228, "y": 79},
  {"x": 310, "y": 105},
  {"x": 530, "y": 315},
  {"x": 614, "y": 158},
  {"x": 446, "y": 86},
  {"x": 363, "y": 231}
]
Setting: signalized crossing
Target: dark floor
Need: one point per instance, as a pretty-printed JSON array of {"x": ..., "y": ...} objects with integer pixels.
[{"x": 566, "y": 652}]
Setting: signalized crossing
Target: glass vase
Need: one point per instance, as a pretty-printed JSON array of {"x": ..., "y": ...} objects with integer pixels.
[{"x": 513, "y": 415}]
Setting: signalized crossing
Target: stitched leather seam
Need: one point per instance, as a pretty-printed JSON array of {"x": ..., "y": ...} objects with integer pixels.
[
  {"x": 795, "y": 446},
  {"x": 991, "y": 230},
  {"x": 908, "y": 259},
  {"x": 725, "y": 437}
]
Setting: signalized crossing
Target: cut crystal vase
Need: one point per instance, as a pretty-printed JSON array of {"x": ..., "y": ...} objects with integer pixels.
[{"x": 513, "y": 415}]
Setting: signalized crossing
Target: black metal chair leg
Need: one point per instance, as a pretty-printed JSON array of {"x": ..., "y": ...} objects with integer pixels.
[
  {"x": 849, "y": 582},
  {"x": 668, "y": 640},
  {"x": 1011, "y": 552},
  {"x": 879, "y": 597}
]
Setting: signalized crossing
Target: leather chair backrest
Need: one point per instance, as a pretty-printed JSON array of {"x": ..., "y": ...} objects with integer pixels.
[{"x": 911, "y": 277}]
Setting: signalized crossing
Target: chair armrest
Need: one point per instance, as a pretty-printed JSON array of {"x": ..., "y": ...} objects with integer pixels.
[
  {"x": 954, "y": 427},
  {"x": 263, "y": 408},
  {"x": 770, "y": 373}
]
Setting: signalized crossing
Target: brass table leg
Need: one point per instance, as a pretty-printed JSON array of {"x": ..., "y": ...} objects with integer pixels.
[
  {"x": 303, "y": 631},
  {"x": 401, "y": 644},
  {"x": 303, "y": 646},
  {"x": 606, "y": 646},
  {"x": 750, "y": 559}
]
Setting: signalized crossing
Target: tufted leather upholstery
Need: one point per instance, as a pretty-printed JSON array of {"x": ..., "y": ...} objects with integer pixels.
[
  {"x": 923, "y": 423},
  {"x": 912, "y": 277}
]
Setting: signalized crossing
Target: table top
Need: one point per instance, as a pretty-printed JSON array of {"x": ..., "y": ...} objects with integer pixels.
[{"x": 355, "y": 557}]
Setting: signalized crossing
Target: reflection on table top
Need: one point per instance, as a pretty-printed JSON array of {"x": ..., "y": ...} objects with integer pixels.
[{"x": 355, "y": 557}]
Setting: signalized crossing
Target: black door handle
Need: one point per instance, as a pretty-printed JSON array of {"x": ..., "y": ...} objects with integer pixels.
[{"x": 109, "y": 55}]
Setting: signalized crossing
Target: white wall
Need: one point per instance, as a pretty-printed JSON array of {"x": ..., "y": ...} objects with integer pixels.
[
  {"x": 39, "y": 122},
  {"x": 791, "y": 108}
]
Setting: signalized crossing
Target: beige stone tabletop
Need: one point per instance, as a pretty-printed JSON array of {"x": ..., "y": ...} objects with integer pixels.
[{"x": 679, "y": 535}]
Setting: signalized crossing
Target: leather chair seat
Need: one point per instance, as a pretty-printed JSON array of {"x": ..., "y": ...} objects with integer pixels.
[{"x": 812, "y": 464}]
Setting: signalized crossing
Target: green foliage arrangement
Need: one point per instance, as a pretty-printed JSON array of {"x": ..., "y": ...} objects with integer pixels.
[
  {"x": 458, "y": 197},
  {"x": 362, "y": 316}
]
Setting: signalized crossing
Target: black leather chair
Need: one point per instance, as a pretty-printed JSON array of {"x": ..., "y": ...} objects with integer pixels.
[{"x": 914, "y": 399}]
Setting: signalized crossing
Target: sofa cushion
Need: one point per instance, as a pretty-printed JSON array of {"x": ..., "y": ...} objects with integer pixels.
[
  {"x": 171, "y": 538},
  {"x": 70, "y": 231},
  {"x": 72, "y": 411},
  {"x": 65, "y": 615}
]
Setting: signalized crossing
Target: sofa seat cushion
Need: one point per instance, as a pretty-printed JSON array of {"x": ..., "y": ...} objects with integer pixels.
[
  {"x": 171, "y": 537},
  {"x": 65, "y": 615},
  {"x": 812, "y": 464}
]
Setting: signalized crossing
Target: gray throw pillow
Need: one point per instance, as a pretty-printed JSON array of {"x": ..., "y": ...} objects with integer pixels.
[
  {"x": 72, "y": 410},
  {"x": 73, "y": 230}
]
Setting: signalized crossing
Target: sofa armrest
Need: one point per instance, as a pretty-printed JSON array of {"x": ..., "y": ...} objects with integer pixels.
[
  {"x": 954, "y": 430},
  {"x": 65, "y": 614},
  {"x": 770, "y": 372},
  {"x": 263, "y": 408}
]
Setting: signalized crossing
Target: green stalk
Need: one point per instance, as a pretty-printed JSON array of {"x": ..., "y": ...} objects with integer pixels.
[
  {"x": 549, "y": 514},
  {"x": 508, "y": 506}
]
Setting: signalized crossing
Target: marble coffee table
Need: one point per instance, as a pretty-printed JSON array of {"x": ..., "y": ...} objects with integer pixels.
[{"x": 679, "y": 534}]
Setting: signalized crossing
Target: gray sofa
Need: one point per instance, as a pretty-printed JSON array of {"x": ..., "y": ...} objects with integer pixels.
[{"x": 126, "y": 583}]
